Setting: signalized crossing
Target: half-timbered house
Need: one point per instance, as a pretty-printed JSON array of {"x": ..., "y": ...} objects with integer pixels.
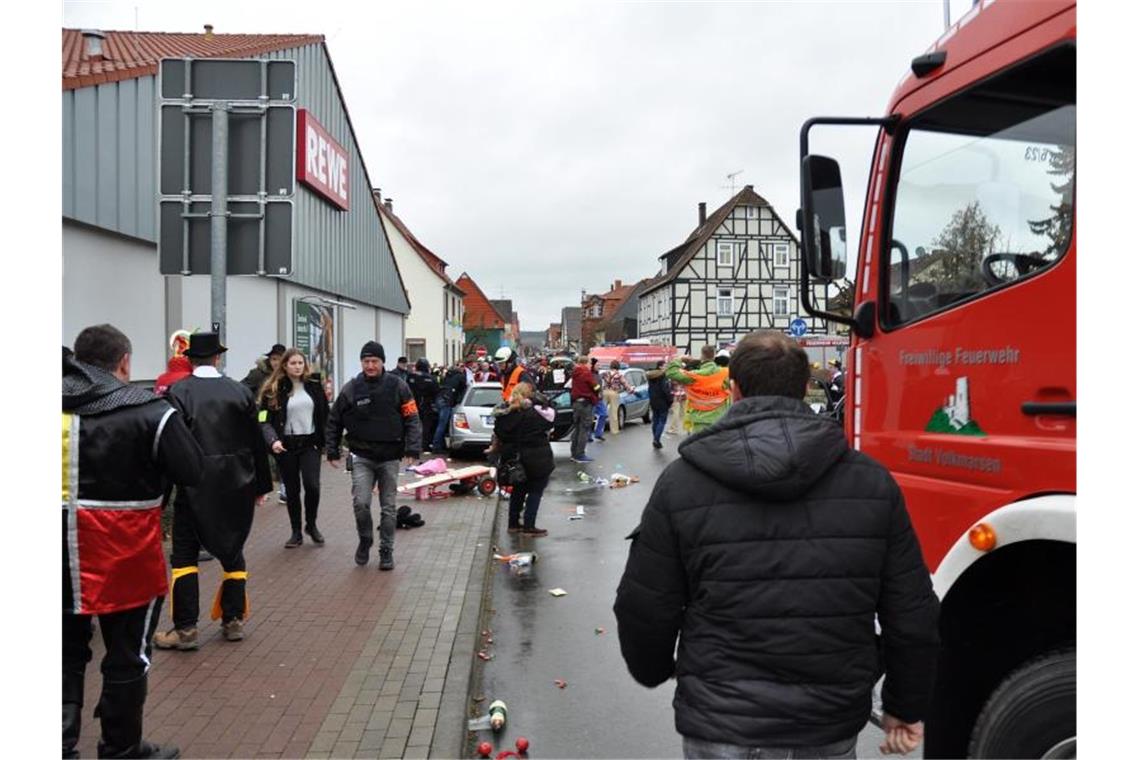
[{"x": 737, "y": 272}]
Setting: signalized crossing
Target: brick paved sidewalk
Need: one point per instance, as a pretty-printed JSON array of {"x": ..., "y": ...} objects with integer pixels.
[{"x": 338, "y": 660}]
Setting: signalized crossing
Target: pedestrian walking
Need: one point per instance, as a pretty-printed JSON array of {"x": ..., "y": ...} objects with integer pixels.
[
  {"x": 450, "y": 393},
  {"x": 706, "y": 389},
  {"x": 293, "y": 415},
  {"x": 378, "y": 415},
  {"x": 584, "y": 389},
  {"x": 122, "y": 446},
  {"x": 425, "y": 391},
  {"x": 523, "y": 430},
  {"x": 660, "y": 399},
  {"x": 218, "y": 512},
  {"x": 772, "y": 548},
  {"x": 675, "y": 425},
  {"x": 601, "y": 412},
  {"x": 613, "y": 385},
  {"x": 263, "y": 368}
]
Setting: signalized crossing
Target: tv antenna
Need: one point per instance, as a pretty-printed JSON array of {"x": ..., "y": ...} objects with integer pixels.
[{"x": 731, "y": 177}]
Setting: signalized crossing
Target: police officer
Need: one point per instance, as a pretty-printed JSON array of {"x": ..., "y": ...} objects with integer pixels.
[
  {"x": 218, "y": 513},
  {"x": 379, "y": 416},
  {"x": 122, "y": 446},
  {"x": 425, "y": 390}
]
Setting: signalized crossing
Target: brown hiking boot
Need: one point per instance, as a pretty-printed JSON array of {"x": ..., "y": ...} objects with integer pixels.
[
  {"x": 233, "y": 630},
  {"x": 177, "y": 638}
]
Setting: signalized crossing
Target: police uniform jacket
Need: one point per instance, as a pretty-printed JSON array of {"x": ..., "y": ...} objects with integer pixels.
[{"x": 378, "y": 417}]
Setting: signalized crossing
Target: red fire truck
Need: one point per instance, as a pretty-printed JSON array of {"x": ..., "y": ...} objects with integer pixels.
[{"x": 962, "y": 364}]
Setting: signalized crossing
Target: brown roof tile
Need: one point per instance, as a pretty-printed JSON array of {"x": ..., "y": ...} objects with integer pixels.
[{"x": 127, "y": 55}]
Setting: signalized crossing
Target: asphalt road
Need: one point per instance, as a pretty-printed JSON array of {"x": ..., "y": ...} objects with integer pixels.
[{"x": 537, "y": 638}]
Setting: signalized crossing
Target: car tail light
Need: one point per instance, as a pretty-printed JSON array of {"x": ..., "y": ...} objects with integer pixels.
[{"x": 460, "y": 420}]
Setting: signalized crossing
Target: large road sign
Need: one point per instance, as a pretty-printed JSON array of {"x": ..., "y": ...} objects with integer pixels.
[{"x": 255, "y": 99}]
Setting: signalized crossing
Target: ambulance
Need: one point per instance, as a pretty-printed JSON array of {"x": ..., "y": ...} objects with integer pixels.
[{"x": 962, "y": 364}]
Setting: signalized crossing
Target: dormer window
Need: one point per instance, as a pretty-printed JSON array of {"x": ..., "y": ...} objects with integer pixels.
[{"x": 93, "y": 43}]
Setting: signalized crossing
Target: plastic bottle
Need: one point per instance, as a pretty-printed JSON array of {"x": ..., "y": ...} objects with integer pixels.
[{"x": 498, "y": 713}]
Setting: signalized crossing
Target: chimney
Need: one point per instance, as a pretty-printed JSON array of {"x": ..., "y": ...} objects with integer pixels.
[
  {"x": 617, "y": 284},
  {"x": 93, "y": 43},
  {"x": 377, "y": 195},
  {"x": 749, "y": 188},
  {"x": 388, "y": 204},
  {"x": 209, "y": 31},
  {"x": 701, "y": 213}
]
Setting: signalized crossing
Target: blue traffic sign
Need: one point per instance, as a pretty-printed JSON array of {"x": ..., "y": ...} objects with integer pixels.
[{"x": 798, "y": 328}]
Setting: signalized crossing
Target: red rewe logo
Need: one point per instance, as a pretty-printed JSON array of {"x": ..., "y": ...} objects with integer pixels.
[{"x": 322, "y": 164}]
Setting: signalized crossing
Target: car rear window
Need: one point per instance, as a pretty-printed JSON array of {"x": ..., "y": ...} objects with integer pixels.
[{"x": 488, "y": 397}]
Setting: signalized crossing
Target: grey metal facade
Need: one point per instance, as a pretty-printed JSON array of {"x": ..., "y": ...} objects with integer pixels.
[{"x": 110, "y": 169}]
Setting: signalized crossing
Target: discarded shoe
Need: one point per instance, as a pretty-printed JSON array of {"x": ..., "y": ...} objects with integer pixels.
[
  {"x": 183, "y": 639},
  {"x": 233, "y": 630}
]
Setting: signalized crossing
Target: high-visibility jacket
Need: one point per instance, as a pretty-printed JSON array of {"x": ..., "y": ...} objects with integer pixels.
[
  {"x": 706, "y": 391},
  {"x": 512, "y": 380},
  {"x": 121, "y": 447}
]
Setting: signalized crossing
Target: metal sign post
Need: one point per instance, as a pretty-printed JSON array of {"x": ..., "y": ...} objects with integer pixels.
[{"x": 218, "y": 213}]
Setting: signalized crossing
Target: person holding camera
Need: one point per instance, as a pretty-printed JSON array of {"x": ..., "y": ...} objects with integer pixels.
[
  {"x": 526, "y": 461},
  {"x": 293, "y": 412}
]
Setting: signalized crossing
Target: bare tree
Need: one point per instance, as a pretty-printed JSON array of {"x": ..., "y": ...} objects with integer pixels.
[
  {"x": 967, "y": 239},
  {"x": 1058, "y": 226}
]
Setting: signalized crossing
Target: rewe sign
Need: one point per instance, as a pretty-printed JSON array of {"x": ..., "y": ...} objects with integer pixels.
[{"x": 322, "y": 163}]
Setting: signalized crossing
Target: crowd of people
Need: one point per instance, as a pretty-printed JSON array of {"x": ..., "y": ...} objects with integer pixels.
[{"x": 205, "y": 443}]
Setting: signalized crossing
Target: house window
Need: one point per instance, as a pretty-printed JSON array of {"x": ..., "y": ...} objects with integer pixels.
[
  {"x": 751, "y": 212},
  {"x": 781, "y": 301},
  {"x": 781, "y": 254},
  {"x": 724, "y": 254},
  {"x": 724, "y": 302}
]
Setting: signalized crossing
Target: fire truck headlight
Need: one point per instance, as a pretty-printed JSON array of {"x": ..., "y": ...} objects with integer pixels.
[{"x": 982, "y": 537}]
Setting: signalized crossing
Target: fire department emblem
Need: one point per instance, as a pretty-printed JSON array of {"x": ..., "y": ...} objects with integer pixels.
[{"x": 954, "y": 417}]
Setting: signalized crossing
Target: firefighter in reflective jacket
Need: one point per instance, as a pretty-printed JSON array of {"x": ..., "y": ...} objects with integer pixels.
[
  {"x": 707, "y": 389},
  {"x": 511, "y": 371},
  {"x": 122, "y": 447}
]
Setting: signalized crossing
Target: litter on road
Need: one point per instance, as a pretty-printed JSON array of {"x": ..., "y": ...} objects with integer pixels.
[
  {"x": 560, "y": 683},
  {"x": 557, "y": 592}
]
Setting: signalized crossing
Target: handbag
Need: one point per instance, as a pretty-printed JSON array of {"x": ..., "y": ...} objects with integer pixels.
[{"x": 512, "y": 473}]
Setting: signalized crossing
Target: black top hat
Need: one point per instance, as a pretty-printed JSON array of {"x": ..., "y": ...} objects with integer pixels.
[{"x": 204, "y": 345}]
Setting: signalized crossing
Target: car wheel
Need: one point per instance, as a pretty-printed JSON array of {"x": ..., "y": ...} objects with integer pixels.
[
  {"x": 1032, "y": 713},
  {"x": 621, "y": 417},
  {"x": 645, "y": 417}
]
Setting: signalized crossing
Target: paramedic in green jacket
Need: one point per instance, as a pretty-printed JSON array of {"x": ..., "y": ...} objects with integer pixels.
[{"x": 706, "y": 389}]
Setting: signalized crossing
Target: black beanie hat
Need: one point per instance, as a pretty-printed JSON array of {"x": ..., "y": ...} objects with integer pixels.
[{"x": 372, "y": 348}]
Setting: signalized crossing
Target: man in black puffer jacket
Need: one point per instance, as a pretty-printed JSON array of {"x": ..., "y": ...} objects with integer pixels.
[{"x": 770, "y": 546}]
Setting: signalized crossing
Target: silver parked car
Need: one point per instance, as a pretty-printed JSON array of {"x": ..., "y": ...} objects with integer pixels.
[
  {"x": 471, "y": 421},
  {"x": 636, "y": 403}
]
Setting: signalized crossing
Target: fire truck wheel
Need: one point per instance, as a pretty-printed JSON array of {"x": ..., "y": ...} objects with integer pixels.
[{"x": 1032, "y": 713}]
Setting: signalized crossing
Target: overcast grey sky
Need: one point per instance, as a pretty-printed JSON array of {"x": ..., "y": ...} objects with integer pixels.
[{"x": 547, "y": 148}]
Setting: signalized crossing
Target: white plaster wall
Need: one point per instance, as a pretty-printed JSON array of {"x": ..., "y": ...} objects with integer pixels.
[
  {"x": 359, "y": 327},
  {"x": 251, "y": 317},
  {"x": 391, "y": 332},
  {"x": 112, "y": 279},
  {"x": 426, "y": 294}
]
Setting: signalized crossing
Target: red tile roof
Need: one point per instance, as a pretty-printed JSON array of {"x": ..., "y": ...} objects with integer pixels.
[
  {"x": 127, "y": 55},
  {"x": 478, "y": 313}
]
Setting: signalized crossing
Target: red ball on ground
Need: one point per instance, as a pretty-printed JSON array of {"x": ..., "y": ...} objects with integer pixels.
[
  {"x": 485, "y": 749},
  {"x": 522, "y": 744}
]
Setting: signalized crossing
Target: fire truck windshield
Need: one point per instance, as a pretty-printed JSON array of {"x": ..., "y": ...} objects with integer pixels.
[{"x": 984, "y": 192}]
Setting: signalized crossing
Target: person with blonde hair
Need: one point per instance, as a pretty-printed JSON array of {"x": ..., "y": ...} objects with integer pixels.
[
  {"x": 293, "y": 412},
  {"x": 522, "y": 427}
]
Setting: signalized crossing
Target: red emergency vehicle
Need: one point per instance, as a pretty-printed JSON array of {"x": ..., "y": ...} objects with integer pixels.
[{"x": 962, "y": 364}]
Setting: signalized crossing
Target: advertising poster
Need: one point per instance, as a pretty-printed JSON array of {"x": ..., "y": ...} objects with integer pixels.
[{"x": 313, "y": 335}]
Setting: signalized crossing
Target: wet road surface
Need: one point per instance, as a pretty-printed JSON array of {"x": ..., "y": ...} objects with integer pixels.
[{"x": 537, "y": 638}]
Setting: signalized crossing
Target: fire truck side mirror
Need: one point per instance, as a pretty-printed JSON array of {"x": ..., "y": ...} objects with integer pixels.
[{"x": 822, "y": 220}]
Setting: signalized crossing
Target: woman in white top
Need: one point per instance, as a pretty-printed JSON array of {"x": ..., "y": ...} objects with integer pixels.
[{"x": 294, "y": 410}]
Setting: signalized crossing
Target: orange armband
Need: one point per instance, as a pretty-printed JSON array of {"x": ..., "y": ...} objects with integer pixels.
[{"x": 409, "y": 408}]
